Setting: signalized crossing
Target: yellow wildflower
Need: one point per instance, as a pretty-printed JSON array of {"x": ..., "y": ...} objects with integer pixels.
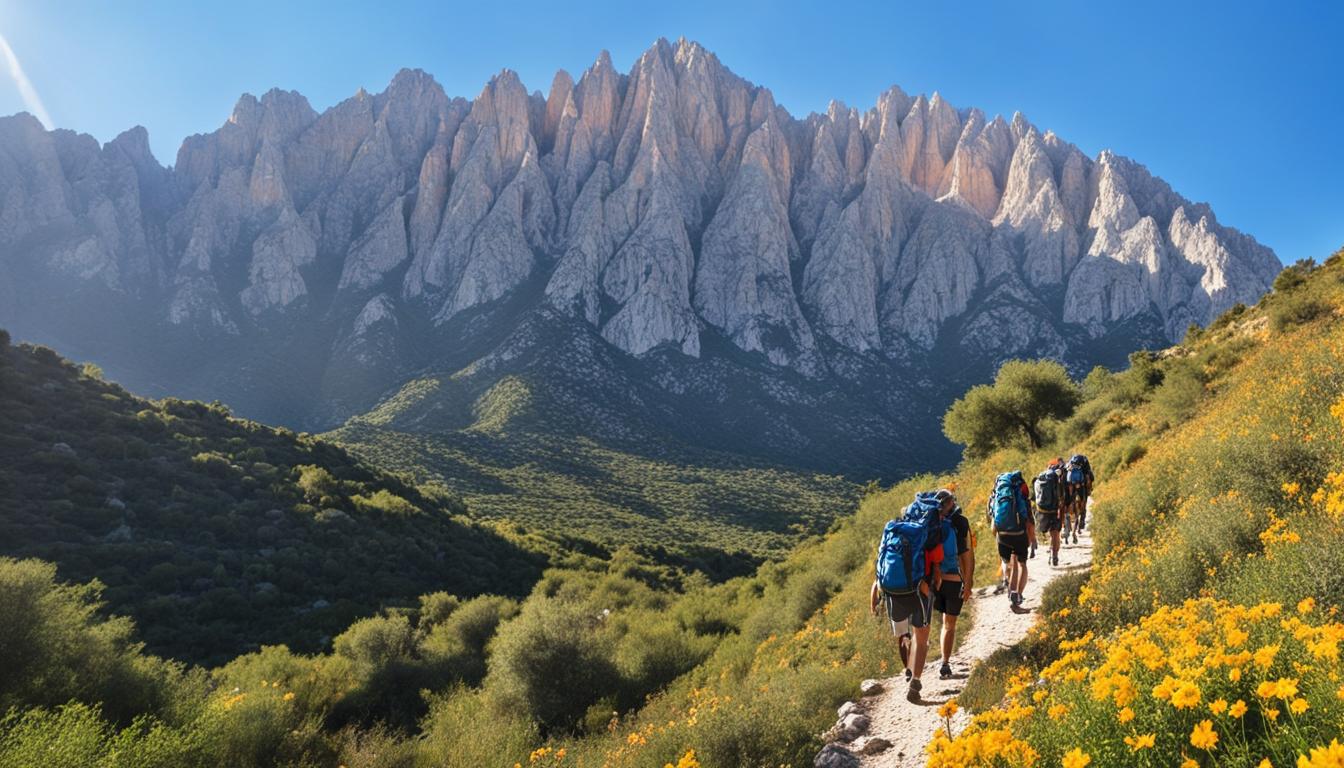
[
  {"x": 1203, "y": 736},
  {"x": 1264, "y": 657},
  {"x": 1299, "y": 706},
  {"x": 1323, "y": 757},
  {"x": 1076, "y": 758},
  {"x": 1185, "y": 696},
  {"x": 1141, "y": 741}
]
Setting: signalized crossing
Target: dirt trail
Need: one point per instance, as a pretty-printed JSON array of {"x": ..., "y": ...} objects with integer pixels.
[{"x": 995, "y": 624}]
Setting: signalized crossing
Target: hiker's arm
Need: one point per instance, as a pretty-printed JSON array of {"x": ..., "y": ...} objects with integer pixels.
[{"x": 874, "y": 597}]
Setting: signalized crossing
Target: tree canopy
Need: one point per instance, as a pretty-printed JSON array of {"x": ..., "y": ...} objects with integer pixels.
[{"x": 1025, "y": 393}]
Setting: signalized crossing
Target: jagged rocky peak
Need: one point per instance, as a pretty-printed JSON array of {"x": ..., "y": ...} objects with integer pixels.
[{"x": 656, "y": 206}]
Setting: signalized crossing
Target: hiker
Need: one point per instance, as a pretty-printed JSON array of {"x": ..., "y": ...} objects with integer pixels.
[
  {"x": 909, "y": 574},
  {"x": 1048, "y": 487},
  {"x": 1078, "y": 479},
  {"x": 1014, "y": 527},
  {"x": 958, "y": 572}
]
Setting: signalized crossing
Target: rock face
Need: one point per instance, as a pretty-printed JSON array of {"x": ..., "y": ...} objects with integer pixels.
[{"x": 675, "y": 208}]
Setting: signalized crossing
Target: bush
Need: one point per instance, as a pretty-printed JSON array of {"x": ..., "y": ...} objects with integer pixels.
[
  {"x": 1295, "y": 310},
  {"x": 57, "y": 648},
  {"x": 552, "y": 663},
  {"x": 456, "y": 645},
  {"x": 1294, "y": 275},
  {"x": 1012, "y": 409},
  {"x": 1239, "y": 683}
]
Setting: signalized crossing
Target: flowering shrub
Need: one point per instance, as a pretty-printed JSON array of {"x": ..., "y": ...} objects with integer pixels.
[{"x": 1201, "y": 683}]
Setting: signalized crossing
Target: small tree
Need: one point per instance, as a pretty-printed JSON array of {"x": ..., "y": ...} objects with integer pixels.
[{"x": 1024, "y": 394}]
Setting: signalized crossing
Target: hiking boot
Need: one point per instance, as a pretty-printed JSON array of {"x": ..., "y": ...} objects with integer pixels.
[
  {"x": 1054, "y": 559},
  {"x": 946, "y": 671},
  {"x": 1033, "y": 553},
  {"x": 912, "y": 695},
  {"x": 1012, "y": 598},
  {"x": 998, "y": 590}
]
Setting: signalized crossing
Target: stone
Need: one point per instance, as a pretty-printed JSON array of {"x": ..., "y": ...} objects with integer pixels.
[
  {"x": 851, "y": 726},
  {"x": 849, "y": 707},
  {"x": 871, "y": 687},
  {"x": 835, "y": 756},
  {"x": 870, "y": 745}
]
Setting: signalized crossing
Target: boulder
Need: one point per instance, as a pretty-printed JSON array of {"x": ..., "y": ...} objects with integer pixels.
[
  {"x": 835, "y": 756},
  {"x": 852, "y": 726}
]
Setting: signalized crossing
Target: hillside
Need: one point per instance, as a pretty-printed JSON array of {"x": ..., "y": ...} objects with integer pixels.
[
  {"x": 1216, "y": 534},
  {"x": 519, "y": 447},
  {"x": 218, "y": 534},
  {"x": 685, "y": 265}
]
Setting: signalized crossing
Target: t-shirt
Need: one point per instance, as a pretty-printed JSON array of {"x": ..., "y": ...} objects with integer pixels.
[{"x": 963, "y": 528}]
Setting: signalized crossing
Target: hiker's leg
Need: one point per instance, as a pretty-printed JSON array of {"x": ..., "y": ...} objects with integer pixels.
[
  {"x": 921, "y": 650},
  {"x": 949, "y": 636},
  {"x": 1021, "y": 578}
]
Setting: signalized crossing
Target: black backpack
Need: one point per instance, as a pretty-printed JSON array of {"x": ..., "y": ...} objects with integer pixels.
[{"x": 1047, "y": 490}]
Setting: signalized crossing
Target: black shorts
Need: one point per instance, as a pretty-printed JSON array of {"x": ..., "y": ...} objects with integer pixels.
[
  {"x": 1048, "y": 521},
  {"x": 1010, "y": 545},
  {"x": 912, "y": 607},
  {"x": 948, "y": 598}
]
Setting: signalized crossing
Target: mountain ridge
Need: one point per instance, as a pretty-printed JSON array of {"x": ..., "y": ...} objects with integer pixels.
[{"x": 668, "y": 210}]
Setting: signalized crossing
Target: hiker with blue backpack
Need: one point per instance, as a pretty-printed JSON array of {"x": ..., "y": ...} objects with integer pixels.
[
  {"x": 1014, "y": 527},
  {"x": 1078, "y": 479},
  {"x": 909, "y": 575}
]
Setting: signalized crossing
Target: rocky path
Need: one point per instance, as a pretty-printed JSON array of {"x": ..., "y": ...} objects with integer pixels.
[{"x": 890, "y": 719}]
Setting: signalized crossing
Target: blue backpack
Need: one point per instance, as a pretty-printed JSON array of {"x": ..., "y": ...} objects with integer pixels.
[
  {"x": 900, "y": 556},
  {"x": 1010, "y": 514},
  {"x": 1077, "y": 470},
  {"x": 950, "y": 564}
]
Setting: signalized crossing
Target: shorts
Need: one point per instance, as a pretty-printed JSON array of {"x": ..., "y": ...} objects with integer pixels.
[
  {"x": 1048, "y": 521},
  {"x": 947, "y": 600},
  {"x": 1010, "y": 545},
  {"x": 1076, "y": 493},
  {"x": 908, "y": 611}
]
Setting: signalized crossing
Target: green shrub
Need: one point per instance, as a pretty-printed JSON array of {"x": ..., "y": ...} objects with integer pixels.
[
  {"x": 1013, "y": 409},
  {"x": 552, "y": 663},
  {"x": 58, "y": 648},
  {"x": 1297, "y": 309},
  {"x": 463, "y": 730}
]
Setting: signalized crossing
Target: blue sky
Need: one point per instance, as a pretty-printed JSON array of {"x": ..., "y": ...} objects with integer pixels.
[{"x": 1237, "y": 104}]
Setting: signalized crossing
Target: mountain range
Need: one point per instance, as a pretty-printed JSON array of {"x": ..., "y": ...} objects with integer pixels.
[{"x": 664, "y": 260}]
